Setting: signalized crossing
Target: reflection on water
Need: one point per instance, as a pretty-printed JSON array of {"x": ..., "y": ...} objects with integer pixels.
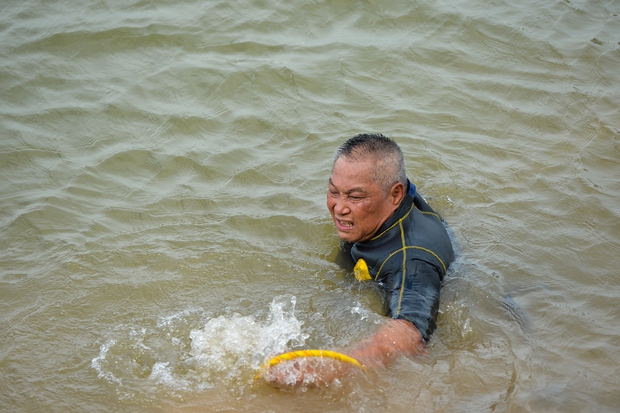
[{"x": 163, "y": 173}]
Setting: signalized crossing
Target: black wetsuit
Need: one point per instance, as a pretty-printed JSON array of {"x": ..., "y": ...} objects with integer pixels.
[{"x": 413, "y": 242}]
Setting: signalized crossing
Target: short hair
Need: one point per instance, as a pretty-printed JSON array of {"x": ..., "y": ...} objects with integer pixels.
[{"x": 386, "y": 154}]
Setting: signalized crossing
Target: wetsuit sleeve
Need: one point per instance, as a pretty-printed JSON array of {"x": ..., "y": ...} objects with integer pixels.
[{"x": 416, "y": 298}]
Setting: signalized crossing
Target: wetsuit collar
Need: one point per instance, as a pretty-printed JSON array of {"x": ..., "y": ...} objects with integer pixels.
[{"x": 411, "y": 188}]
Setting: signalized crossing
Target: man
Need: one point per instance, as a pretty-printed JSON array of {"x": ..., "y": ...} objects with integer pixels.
[{"x": 394, "y": 237}]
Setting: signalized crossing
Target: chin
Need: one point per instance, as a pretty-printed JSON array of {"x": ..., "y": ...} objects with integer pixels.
[{"x": 348, "y": 237}]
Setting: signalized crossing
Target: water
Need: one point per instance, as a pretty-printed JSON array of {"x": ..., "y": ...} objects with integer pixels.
[{"x": 163, "y": 221}]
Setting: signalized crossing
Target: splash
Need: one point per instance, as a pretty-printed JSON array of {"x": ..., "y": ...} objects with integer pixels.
[
  {"x": 230, "y": 345},
  {"x": 173, "y": 355}
]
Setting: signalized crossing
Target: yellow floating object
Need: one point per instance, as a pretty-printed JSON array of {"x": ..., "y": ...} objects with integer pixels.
[
  {"x": 313, "y": 353},
  {"x": 361, "y": 271}
]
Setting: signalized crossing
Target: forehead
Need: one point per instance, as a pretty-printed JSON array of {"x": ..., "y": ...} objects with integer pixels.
[{"x": 353, "y": 174}]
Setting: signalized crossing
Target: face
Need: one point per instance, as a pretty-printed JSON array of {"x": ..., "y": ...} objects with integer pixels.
[{"x": 357, "y": 204}]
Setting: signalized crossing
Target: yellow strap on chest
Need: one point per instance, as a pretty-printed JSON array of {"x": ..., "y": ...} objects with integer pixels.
[{"x": 361, "y": 271}]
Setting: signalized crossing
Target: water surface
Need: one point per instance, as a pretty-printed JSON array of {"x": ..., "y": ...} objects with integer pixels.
[{"x": 163, "y": 225}]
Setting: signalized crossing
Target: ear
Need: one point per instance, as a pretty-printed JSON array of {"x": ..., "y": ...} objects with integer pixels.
[{"x": 397, "y": 193}]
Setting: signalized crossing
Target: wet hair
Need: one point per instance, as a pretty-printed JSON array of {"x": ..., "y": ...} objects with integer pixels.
[{"x": 384, "y": 152}]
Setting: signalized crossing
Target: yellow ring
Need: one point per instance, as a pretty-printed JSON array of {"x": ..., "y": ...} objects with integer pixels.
[{"x": 313, "y": 353}]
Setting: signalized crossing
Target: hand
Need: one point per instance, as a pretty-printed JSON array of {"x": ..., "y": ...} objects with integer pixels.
[{"x": 309, "y": 371}]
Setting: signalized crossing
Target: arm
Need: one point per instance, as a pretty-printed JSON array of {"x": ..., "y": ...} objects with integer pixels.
[
  {"x": 413, "y": 302},
  {"x": 395, "y": 338}
]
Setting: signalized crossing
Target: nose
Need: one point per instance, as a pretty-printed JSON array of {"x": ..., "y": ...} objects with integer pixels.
[{"x": 341, "y": 206}]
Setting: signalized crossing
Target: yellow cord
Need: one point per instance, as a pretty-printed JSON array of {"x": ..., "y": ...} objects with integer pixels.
[{"x": 313, "y": 353}]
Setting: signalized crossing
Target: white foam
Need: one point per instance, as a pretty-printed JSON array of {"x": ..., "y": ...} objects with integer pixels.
[
  {"x": 98, "y": 363},
  {"x": 227, "y": 349},
  {"x": 236, "y": 343}
]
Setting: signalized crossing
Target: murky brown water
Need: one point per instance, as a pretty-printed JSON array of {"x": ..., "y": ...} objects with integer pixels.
[{"x": 163, "y": 169}]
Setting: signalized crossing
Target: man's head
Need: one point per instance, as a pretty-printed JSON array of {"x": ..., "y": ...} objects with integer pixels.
[{"x": 367, "y": 185}]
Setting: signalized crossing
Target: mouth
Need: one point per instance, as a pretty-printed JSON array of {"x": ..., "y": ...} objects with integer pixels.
[{"x": 344, "y": 225}]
